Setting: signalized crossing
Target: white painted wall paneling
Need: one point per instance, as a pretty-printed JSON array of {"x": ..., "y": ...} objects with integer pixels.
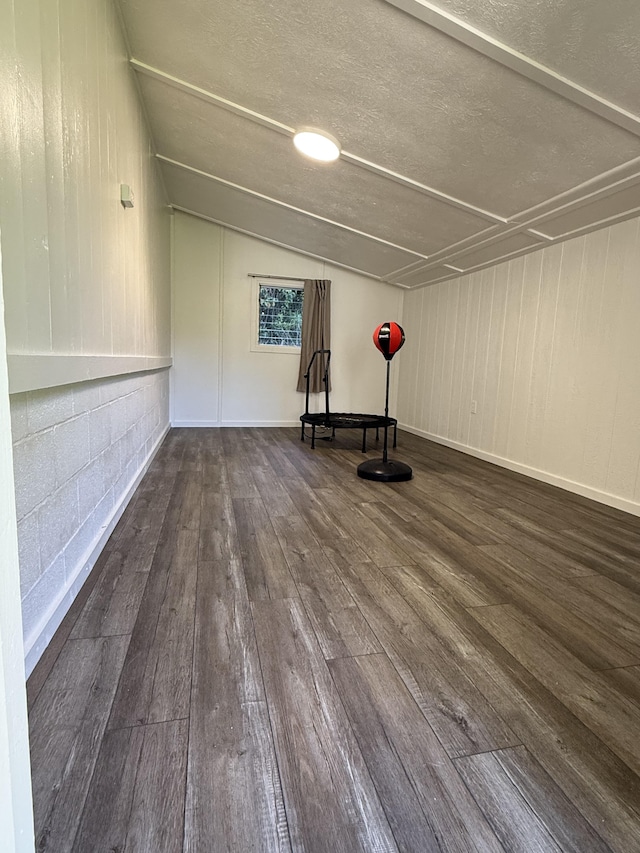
[
  {"x": 83, "y": 276},
  {"x": 217, "y": 378},
  {"x": 16, "y": 815},
  {"x": 87, "y": 287},
  {"x": 547, "y": 346}
]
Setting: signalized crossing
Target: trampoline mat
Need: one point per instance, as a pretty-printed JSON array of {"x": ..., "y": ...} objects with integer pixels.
[{"x": 346, "y": 420}]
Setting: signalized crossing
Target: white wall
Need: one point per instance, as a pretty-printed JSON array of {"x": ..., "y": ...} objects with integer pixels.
[
  {"x": 548, "y": 347},
  {"x": 87, "y": 290},
  {"x": 218, "y": 379},
  {"x": 16, "y": 817},
  {"x": 89, "y": 443}
]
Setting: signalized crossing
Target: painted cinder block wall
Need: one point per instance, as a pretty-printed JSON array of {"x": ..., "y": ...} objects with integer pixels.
[
  {"x": 547, "y": 346},
  {"x": 87, "y": 291},
  {"x": 89, "y": 443}
]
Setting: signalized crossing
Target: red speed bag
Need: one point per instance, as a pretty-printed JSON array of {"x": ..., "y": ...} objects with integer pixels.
[{"x": 388, "y": 337}]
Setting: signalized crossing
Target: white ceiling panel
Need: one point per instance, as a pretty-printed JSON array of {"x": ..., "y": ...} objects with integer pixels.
[
  {"x": 456, "y": 119},
  {"x": 236, "y": 149},
  {"x": 257, "y": 216},
  {"x": 592, "y": 42},
  {"x": 393, "y": 90}
]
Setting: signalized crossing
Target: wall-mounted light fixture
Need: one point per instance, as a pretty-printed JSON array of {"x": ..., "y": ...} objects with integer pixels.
[
  {"x": 317, "y": 144},
  {"x": 126, "y": 195}
]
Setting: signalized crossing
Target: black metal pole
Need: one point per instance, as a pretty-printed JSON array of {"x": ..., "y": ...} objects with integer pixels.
[{"x": 386, "y": 416}]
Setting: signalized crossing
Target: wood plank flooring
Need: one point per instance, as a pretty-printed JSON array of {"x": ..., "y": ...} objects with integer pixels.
[{"x": 274, "y": 655}]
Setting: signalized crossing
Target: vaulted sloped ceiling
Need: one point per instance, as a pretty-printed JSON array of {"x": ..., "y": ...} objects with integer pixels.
[{"x": 471, "y": 131}]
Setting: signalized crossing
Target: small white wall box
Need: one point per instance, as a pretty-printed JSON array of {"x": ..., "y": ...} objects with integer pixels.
[{"x": 126, "y": 195}]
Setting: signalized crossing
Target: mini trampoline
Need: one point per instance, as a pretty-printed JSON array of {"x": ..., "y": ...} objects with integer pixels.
[{"x": 339, "y": 420}]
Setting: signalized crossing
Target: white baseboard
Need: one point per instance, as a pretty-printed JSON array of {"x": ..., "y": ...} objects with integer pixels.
[
  {"x": 40, "y": 637},
  {"x": 544, "y": 476},
  {"x": 179, "y": 423},
  {"x": 194, "y": 424}
]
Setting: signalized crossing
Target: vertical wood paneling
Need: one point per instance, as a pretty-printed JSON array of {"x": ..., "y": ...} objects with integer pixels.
[
  {"x": 468, "y": 371},
  {"x": 543, "y": 351},
  {"x": 451, "y": 309},
  {"x": 34, "y": 201},
  {"x": 436, "y": 411},
  {"x": 501, "y": 296},
  {"x": 196, "y": 319},
  {"x": 485, "y": 293},
  {"x": 412, "y": 325},
  {"x": 425, "y": 372},
  {"x": 528, "y": 271},
  {"x": 54, "y": 158},
  {"x": 504, "y": 393},
  {"x": 624, "y": 448},
  {"x": 547, "y": 345},
  {"x": 462, "y": 322},
  {"x": 493, "y": 362},
  {"x": 600, "y": 361},
  {"x": 82, "y": 275},
  {"x": 11, "y": 221}
]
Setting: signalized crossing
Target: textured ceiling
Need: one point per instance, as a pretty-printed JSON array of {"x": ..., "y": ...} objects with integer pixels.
[{"x": 471, "y": 132}]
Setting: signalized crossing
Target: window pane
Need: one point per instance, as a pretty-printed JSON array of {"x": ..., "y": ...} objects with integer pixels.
[{"x": 280, "y": 320}]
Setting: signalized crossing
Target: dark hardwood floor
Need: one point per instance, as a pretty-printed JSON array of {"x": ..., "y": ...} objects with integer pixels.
[{"x": 272, "y": 654}]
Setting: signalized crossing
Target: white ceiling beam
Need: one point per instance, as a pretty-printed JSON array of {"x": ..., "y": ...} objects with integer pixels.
[
  {"x": 286, "y": 206},
  {"x": 290, "y": 248},
  {"x": 518, "y": 62}
]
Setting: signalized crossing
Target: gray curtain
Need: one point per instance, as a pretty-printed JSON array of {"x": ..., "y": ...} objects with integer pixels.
[{"x": 316, "y": 331}]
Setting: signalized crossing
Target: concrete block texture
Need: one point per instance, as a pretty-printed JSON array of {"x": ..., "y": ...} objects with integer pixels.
[
  {"x": 29, "y": 545},
  {"x": 34, "y": 470},
  {"x": 18, "y": 416},
  {"x": 48, "y": 407},
  {"x": 71, "y": 441},
  {"x": 73, "y": 468}
]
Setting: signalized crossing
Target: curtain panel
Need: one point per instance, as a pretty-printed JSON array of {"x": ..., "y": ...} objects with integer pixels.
[{"x": 316, "y": 331}]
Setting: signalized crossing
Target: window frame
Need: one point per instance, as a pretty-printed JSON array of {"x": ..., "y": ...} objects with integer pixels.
[{"x": 255, "y": 315}]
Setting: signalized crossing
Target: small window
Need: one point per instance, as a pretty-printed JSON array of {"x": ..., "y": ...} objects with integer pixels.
[{"x": 279, "y": 322}]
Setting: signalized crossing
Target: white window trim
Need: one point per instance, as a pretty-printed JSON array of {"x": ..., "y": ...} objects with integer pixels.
[{"x": 255, "y": 310}]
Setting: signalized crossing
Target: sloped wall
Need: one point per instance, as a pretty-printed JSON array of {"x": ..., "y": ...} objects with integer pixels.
[{"x": 547, "y": 347}]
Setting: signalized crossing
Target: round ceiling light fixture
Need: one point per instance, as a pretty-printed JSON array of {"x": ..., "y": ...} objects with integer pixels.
[{"x": 317, "y": 144}]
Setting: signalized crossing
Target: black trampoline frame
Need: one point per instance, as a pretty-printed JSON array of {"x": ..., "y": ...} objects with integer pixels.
[{"x": 340, "y": 420}]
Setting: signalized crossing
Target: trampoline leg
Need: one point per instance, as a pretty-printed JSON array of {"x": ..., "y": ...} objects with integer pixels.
[
  {"x": 364, "y": 439},
  {"x": 302, "y": 432},
  {"x": 313, "y": 436},
  {"x": 395, "y": 435}
]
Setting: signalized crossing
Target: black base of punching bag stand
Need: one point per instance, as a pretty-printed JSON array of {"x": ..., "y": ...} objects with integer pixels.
[{"x": 385, "y": 470}]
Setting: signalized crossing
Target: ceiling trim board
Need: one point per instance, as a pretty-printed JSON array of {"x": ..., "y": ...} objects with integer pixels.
[
  {"x": 534, "y": 233},
  {"x": 414, "y": 266},
  {"x": 352, "y": 159},
  {"x": 537, "y": 234},
  {"x": 594, "y": 226},
  {"x": 290, "y": 207},
  {"x": 603, "y": 184},
  {"x": 583, "y": 201},
  {"x": 466, "y": 246},
  {"x": 209, "y": 97},
  {"x": 452, "y": 201},
  {"x": 499, "y": 259},
  {"x": 298, "y": 251},
  {"x": 518, "y": 62}
]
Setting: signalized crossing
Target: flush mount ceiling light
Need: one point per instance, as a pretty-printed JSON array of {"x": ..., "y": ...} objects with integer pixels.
[{"x": 317, "y": 144}]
